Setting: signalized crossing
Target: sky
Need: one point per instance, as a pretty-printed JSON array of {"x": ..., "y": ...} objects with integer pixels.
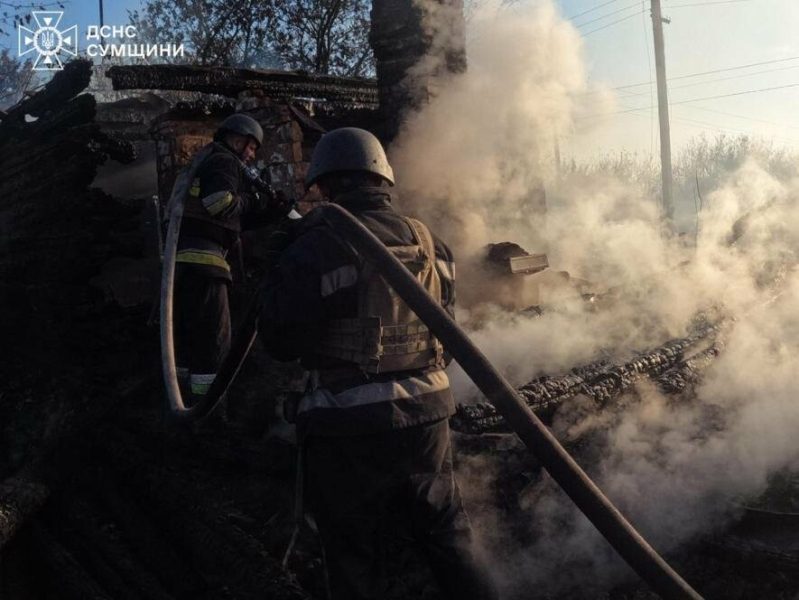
[{"x": 703, "y": 35}]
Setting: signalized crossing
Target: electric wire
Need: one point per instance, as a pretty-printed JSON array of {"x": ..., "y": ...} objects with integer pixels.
[
  {"x": 610, "y": 14},
  {"x": 706, "y": 3},
  {"x": 587, "y": 33},
  {"x": 630, "y": 94},
  {"x": 712, "y": 72},
  {"x": 590, "y": 10}
]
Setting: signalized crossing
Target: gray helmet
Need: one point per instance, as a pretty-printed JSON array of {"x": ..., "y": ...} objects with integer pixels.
[
  {"x": 348, "y": 149},
  {"x": 242, "y": 125}
]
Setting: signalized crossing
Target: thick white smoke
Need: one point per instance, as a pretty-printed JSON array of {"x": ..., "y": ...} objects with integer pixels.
[{"x": 470, "y": 161}]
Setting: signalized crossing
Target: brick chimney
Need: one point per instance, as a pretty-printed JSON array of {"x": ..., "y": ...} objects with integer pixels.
[{"x": 417, "y": 44}]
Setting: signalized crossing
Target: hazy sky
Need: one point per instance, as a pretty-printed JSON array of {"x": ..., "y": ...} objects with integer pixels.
[{"x": 704, "y": 35}]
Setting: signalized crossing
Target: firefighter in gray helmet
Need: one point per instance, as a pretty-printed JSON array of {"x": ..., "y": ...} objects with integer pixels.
[
  {"x": 242, "y": 125},
  {"x": 348, "y": 149},
  {"x": 219, "y": 200},
  {"x": 373, "y": 421}
]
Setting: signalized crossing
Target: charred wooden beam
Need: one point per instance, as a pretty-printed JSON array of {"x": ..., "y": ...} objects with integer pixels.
[
  {"x": 64, "y": 85},
  {"x": 227, "y": 81},
  {"x": 602, "y": 382}
]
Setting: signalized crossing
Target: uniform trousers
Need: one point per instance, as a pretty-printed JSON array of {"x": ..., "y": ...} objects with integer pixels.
[{"x": 362, "y": 490}]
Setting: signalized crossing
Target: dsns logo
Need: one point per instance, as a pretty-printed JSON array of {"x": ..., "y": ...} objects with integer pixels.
[{"x": 47, "y": 40}]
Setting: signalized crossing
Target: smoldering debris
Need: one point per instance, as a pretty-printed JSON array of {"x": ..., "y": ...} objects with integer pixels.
[
  {"x": 671, "y": 365},
  {"x": 676, "y": 467}
]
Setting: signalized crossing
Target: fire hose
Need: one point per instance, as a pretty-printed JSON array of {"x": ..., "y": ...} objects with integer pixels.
[
  {"x": 633, "y": 548},
  {"x": 630, "y": 545},
  {"x": 246, "y": 332}
]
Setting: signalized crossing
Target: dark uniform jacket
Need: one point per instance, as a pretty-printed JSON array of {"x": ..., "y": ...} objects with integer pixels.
[
  {"x": 315, "y": 281},
  {"x": 219, "y": 203}
]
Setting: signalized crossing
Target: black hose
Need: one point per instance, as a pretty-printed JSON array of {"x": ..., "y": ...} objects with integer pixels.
[{"x": 586, "y": 495}]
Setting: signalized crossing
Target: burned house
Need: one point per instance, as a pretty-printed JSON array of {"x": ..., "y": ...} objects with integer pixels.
[{"x": 100, "y": 497}]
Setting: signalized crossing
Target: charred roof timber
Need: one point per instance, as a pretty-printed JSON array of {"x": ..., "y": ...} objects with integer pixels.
[{"x": 226, "y": 81}]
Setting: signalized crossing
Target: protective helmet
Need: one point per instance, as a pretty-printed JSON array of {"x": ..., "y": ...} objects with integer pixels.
[
  {"x": 242, "y": 125},
  {"x": 348, "y": 149}
]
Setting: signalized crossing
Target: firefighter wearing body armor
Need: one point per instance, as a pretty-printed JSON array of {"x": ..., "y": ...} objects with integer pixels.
[
  {"x": 373, "y": 422},
  {"x": 219, "y": 202}
]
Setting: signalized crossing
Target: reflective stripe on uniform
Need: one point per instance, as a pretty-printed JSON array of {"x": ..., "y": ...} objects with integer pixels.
[
  {"x": 201, "y": 382},
  {"x": 201, "y": 257},
  {"x": 194, "y": 190},
  {"x": 372, "y": 393},
  {"x": 217, "y": 202},
  {"x": 334, "y": 280},
  {"x": 446, "y": 269}
]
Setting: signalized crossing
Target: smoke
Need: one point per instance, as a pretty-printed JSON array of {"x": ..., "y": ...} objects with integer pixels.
[
  {"x": 477, "y": 146},
  {"x": 471, "y": 163}
]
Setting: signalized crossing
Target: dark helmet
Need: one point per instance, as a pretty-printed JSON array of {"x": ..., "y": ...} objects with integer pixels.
[
  {"x": 242, "y": 125},
  {"x": 348, "y": 149}
]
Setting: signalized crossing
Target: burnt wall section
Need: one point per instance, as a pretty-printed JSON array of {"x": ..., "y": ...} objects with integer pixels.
[
  {"x": 417, "y": 45},
  {"x": 69, "y": 335},
  {"x": 130, "y": 119},
  {"x": 289, "y": 136}
]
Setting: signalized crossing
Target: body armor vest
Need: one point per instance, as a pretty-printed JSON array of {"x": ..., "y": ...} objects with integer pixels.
[{"x": 386, "y": 335}]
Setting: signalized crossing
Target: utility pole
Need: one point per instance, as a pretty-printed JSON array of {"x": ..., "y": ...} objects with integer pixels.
[
  {"x": 663, "y": 111},
  {"x": 102, "y": 23}
]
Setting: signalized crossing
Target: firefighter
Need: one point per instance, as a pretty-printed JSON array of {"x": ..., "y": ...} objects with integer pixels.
[
  {"x": 219, "y": 200},
  {"x": 373, "y": 422}
]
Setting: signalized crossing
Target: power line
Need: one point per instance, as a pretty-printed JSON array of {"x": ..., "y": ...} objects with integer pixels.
[
  {"x": 724, "y": 70},
  {"x": 719, "y": 128},
  {"x": 769, "y": 89},
  {"x": 610, "y": 14},
  {"x": 745, "y": 118},
  {"x": 741, "y": 93},
  {"x": 590, "y": 10},
  {"x": 587, "y": 33},
  {"x": 707, "y": 3},
  {"x": 629, "y": 94}
]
